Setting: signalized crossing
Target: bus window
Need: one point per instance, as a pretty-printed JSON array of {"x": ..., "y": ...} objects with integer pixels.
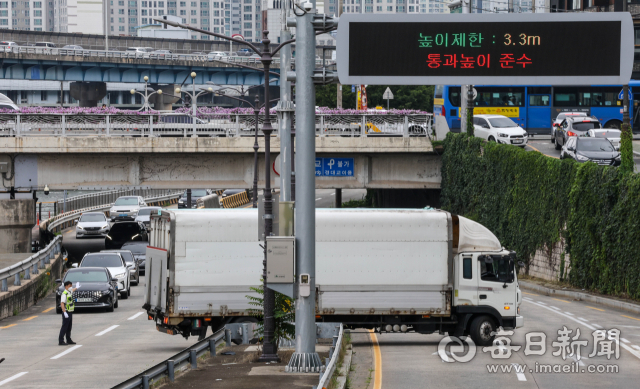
[
  {"x": 499, "y": 96},
  {"x": 454, "y": 95},
  {"x": 538, "y": 101},
  {"x": 439, "y": 91},
  {"x": 565, "y": 97}
]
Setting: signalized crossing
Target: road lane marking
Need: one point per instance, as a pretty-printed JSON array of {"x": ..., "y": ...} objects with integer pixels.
[
  {"x": 569, "y": 313},
  {"x": 597, "y": 309},
  {"x": 597, "y": 325},
  {"x": 636, "y": 347},
  {"x": 624, "y": 340},
  {"x": 319, "y": 198},
  {"x": 583, "y": 319},
  {"x": 10, "y": 325},
  {"x": 540, "y": 302},
  {"x": 67, "y": 351},
  {"x": 520, "y": 376},
  {"x": 29, "y": 318},
  {"x": 377, "y": 363},
  {"x": 531, "y": 294},
  {"x": 529, "y": 144},
  {"x": 589, "y": 326},
  {"x": 554, "y": 307},
  {"x": 107, "y": 330},
  {"x": 47, "y": 310},
  {"x": 13, "y": 378},
  {"x": 333, "y": 194},
  {"x": 629, "y": 317},
  {"x": 564, "y": 301},
  {"x": 136, "y": 315}
]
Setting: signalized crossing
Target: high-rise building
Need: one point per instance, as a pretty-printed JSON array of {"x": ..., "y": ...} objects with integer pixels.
[{"x": 27, "y": 15}]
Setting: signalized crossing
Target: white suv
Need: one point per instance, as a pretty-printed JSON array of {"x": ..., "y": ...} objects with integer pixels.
[
  {"x": 126, "y": 208},
  {"x": 499, "y": 128}
]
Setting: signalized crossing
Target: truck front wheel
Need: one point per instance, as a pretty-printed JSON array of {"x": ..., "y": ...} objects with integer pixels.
[{"x": 483, "y": 330}]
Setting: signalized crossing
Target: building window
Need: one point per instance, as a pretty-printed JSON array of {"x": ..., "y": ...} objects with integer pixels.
[
  {"x": 204, "y": 5},
  {"x": 121, "y": 3},
  {"x": 389, "y": 9},
  {"x": 379, "y": 9},
  {"x": 247, "y": 34},
  {"x": 120, "y": 20},
  {"x": 4, "y": 13},
  {"x": 133, "y": 4},
  {"x": 37, "y": 13},
  {"x": 194, "y": 21},
  {"x": 132, "y": 12},
  {"x": 172, "y": 12},
  {"x": 144, "y": 20},
  {"x": 121, "y": 12},
  {"x": 247, "y": 8},
  {"x": 204, "y": 22},
  {"x": 4, "y": 22},
  {"x": 111, "y": 28},
  {"x": 204, "y": 37},
  {"x": 204, "y": 13},
  {"x": 37, "y": 22},
  {"x": 37, "y": 4},
  {"x": 182, "y": 13},
  {"x": 43, "y": 95},
  {"x": 121, "y": 28},
  {"x": 183, "y": 3},
  {"x": 161, "y": 12},
  {"x": 171, "y": 3},
  {"x": 194, "y": 12},
  {"x": 368, "y": 8},
  {"x": 194, "y": 4},
  {"x": 248, "y": 17},
  {"x": 4, "y": 4},
  {"x": 133, "y": 20},
  {"x": 144, "y": 12}
]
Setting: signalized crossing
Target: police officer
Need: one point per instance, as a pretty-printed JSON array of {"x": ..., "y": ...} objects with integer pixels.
[{"x": 67, "y": 305}]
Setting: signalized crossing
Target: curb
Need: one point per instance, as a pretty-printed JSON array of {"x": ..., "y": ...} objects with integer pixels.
[
  {"x": 582, "y": 297},
  {"x": 342, "y": 379}
]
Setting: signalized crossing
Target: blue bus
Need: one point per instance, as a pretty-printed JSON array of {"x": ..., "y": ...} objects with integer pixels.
[{"x": 535, "y": 108}]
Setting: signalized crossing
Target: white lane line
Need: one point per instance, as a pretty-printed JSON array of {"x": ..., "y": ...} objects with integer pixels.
[
  {"x": 136, "y": 315},
  {"x": 569, "y": 313},
  {"x": 556, "y": 308},
  {"x": 597, "y": 325},
  {"x": 624, "y": 340},
  {"x": 592, "y": 327},
  {"x": 107, "y": 330},
  {"x": 583, "y": 319},
  {"x": 67, "y": 351},
  {"x": 319, "y": 198},
  {"x": 13, "y": 378},
  {"x": 333, "y": 194},
  {"x": 528, "y": 298},
  {"x": 636, "y": 347},
  {"x": 540, "y": 302},
  {"x": 520, "y": 375}
]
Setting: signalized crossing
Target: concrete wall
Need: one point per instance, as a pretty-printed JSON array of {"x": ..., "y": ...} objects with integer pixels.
[
  {"x": 547, "y": 263},
  {"x": 17, "y": 218},
  {"x": 19, "y": 298}
]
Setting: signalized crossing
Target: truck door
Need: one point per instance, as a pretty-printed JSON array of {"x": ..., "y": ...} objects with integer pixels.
[
  {"x": 156, "y": 271},
  {"x": 496, "y": 283},
  {"x": 466, "y": 290}
]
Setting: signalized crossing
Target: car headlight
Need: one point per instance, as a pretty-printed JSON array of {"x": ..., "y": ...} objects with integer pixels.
[
  {"x": 105, "y": 292},
  {"x": 501, "y": 135},
  {"x": 180, "y": 201},
  {"x": 120, "y": 275},
  {"x": 104, "y": 227},
  {"x": 581, "y": 157},
  {"x": 617, "y": 158},
  {"x": 79, "y": 227},
  {"x": 525, "y": 134}
]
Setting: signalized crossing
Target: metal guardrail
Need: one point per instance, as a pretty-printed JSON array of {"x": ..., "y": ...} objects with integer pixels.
[
  {"x": 30, "y": 265},
  {"x": 332, "y": 361},
  {"x": 106, "y": 197},
  {"x": 207, "y": 124},
  {"x": 168, "y": 367}
]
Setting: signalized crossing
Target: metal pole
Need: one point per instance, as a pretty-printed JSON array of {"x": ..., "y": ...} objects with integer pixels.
[
  {"x": 64, "y": 204},
  {"x": 193, "y": 103},
  {"x": 256, "y": 112},
  {"x": 305, "y": 198},
  {"x": 285, "y": 119},
  {"x": 339, "y": 86},
  {"x": 106, "y": 27},
  {"x": 338, "y": 198},
  {"x": 269, "y": 348},
  {"x": 469, "y": 118},
  {"x": 188, "y": 198},
  {"x": 293, "y": 165}
]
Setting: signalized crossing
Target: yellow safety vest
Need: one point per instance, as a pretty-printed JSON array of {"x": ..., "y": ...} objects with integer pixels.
[{"x": 67, "y": 297}]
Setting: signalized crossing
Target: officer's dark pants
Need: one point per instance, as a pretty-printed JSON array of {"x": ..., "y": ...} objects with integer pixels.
[{"x": 66, "y": 328}]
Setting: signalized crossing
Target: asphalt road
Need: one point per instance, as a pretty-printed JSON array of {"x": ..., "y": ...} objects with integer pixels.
[{"x": 412, "y": 360}]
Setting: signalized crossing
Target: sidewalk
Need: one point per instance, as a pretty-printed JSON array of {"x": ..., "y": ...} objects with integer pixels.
[{"x": 636, "y": 147}]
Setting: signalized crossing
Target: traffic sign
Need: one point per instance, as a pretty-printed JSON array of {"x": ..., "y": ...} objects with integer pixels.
[
  {"x": 353, "y": 89},
  {"x": 388, "y": 95},
  {"x": 485, "y": 49},
  {"x": 621, "y": 95},
  {"x": 334, "y": 167}
]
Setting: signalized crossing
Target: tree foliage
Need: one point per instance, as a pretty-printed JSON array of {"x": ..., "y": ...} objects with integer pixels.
[
  {"x": 418, "y": 97},
  {"x": 531, "y": 201},
  {"x": 284, "y": 314}
]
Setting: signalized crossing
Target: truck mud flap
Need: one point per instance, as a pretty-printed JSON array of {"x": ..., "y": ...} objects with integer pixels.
[{"x": 166, "y": 330}]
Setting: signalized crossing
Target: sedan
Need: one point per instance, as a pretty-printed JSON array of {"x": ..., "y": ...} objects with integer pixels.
[
  {"x": 116, "y": 266},
  {"x": 217, "y": 55},
  {"x": 144, "y": 215},
  {"x": 195, "y": 195},
  {"x": 126, "y": 208},
  {"x": 124, "y": 232},
  {"x": 97, "y": 289},
  {"x": 132, "y": 264},
  {"x": 499, "y": 128},
  {"x": 92, "y": 225},
  {"x": 161, "y": 53},
  {"x": 72, "y": 47},
  {"x": 139, "y": 250},
  {"x": 607, "y": 133},
  {"x": 597, "y": 150}
]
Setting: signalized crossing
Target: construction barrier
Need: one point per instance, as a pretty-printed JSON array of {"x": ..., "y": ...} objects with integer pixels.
[{"x": 236, "y": 200}]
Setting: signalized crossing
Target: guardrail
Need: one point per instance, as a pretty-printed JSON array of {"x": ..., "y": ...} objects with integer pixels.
[
  {"x": 30, "y": 265},
  {"x": 236, "y": 200},
  {"x": 332, "y": 361},
  {"x": 207, "y": 124},
  {"x": 142, "y": 55},
  {"x": 168, "y": 367},
  {"x": 106, "y": 197}
]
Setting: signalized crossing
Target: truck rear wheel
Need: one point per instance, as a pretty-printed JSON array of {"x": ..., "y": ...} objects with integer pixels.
[{"x": 483, "y": 330}]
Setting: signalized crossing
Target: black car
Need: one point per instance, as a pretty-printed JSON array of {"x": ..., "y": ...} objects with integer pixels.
[
  {"x": 195, "y": 195},
  {"x": 573, "y": 126},
  {"x": 123, "y": 232},
  {"x": 597, "y": 150},
  {"x": 139, "y": 251},
  {"x": 97, "y": 288}
]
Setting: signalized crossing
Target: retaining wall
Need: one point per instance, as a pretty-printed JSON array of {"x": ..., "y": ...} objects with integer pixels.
[{"x": 547, "y": 263}]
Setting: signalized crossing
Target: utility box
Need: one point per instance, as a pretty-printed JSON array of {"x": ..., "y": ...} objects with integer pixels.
[
  {"x": 4, "y": 167},
  {"x": 280, "y": 259}
]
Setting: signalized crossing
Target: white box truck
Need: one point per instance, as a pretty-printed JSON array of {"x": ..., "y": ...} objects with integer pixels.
[{"x": 396, "y": 270}]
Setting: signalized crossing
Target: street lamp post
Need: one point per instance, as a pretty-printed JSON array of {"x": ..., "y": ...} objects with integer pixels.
[
  {"x": 194, "y": 99},
  {"x": 146, "y": 95}
]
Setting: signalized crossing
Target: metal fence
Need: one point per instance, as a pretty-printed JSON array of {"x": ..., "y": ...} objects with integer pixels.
[
  {"x": 31, "y": 265},
  {"x": 206, "y": 124},
  {"x": 108, "y": 197}
]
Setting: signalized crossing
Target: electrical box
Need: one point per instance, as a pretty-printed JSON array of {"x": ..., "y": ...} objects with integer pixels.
[
  {"x": 305, "y": 285},
  {"x": 280, "y": 259},
  {"x": 4, "y": 167}
]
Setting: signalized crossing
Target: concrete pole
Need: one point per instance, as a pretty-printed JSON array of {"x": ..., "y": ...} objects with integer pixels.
[
  {"x": 305, "y": 357},
  {"x": 106, "y": 26},
  {"x": 466, "y": 9},
  {"x": 339, "y": 86},
  {"x": 285, "y": 119}
]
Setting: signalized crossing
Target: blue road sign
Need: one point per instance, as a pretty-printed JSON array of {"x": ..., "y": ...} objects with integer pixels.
[
  {"x": 334, "y": 167},
  {"x": 353, "y": 89},
  {"x": 621, "y": 94}
]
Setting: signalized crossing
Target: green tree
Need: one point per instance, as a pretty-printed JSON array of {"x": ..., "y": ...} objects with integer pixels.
[
  {"x": 626, "y": 149},
  {"x": 284, "y": 314},
  {"x": 405, "y": 96}
]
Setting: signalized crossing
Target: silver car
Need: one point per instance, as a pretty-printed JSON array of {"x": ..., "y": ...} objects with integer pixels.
[
  {"x": 92, "y": 224},
  {"x": 126, "y": 208},
  {"x": 607, "y": 133},
  {"x": 144, "y": 215}
]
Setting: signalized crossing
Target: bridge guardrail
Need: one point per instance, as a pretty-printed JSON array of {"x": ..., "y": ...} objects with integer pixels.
[
  {"x": 330, "y": 367},
  {"x": 30, "y": 265}
]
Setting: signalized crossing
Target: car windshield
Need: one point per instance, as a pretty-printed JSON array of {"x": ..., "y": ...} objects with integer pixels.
[
  {"x": 196, "y": 193},
  {"x": 126, "y": 201},
  {"x": 93, "y": 217},
  {"x": 124, "y": 231},
  {"x": 594, "y": 144},
  {"x": 606, "y": 134},
  {"x": 147, "y": 211},
  {"x": 86, "y": 276},
  {"x": 101, "y": 260},
  {"x": 585, "y": 126},
  {"x": 126, "y": 255},
  {"x": 502, "y": 123},
  {"x": 138, "y": 248}
]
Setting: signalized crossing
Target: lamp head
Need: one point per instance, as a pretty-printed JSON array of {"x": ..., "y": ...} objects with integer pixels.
[
  {"x": 193, "y": 74},
  {"x": 46, "y": 190},
  {"x": 177, "y": 90},
  {"x": 159, "y": 91},
  {"x": 133, "y": 91},
  {"x": 210, "y": 89},
  {"x": 146, "y": 78}
]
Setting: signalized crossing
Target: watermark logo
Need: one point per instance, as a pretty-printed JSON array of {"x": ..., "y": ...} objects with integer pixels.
[{"x": 456, "y": 350}]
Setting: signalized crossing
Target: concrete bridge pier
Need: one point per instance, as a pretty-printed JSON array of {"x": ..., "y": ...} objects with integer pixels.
[
  {"x": 88, "y": 93},
  {"x": 165, "y": 101},
  {"x": 17, "y": 218}
]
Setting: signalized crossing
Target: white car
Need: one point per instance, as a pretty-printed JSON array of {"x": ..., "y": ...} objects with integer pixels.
[
  {"x": 116, "y": 266},
  {"x": 217, "y": 55},
  {"x": 558, "y": 120},
  {"x": 501, "y": 129},
  {"x": 611, "y": 134},
  {"x": 92, "y": 224},
  {"x": 126, "y": 208}
]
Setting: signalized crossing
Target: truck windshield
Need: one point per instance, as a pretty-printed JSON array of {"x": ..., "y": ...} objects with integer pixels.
[{"x": 497, "y": 269}]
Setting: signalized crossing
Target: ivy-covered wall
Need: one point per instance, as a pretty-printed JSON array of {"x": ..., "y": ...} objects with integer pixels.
[{"x": 531, "y": 201}]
